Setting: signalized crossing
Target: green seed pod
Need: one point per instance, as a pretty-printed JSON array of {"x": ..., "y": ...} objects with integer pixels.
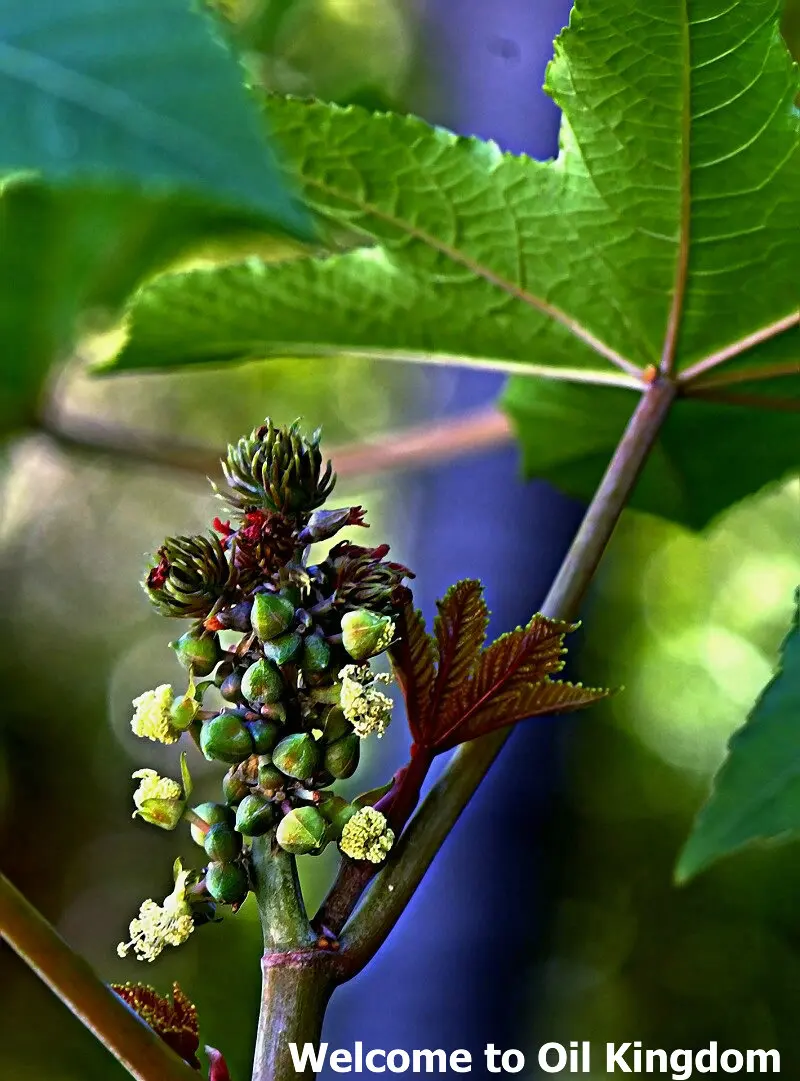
[
  {"x": 283, "y": 649},
  {"x": 231, "y": 687},
  {"x": 254, "y": 816},
  {"x": 270, "y": 778},
  {"x": 265, "y": 735},
  {"x": 222, "y": 843},
  {"x": 226, "y": 882},
  {"x": 341, "y": 757},
  {"x": 337, "y": 812},
  {"x": 225, "y": 739},
  {"x": 274, "y": 711},
  {"x": 297, "y": 755},
  {"x": 336, "y": 725},
  {"x": 223, "y": 671},
  {"x": 365, "y": 634},
  {"x": 233, "y": 787},
  {"x": 183, "y": 711},
  {"x": 316, "y": 654},
  {"x": 212, "y": 813},
  {"x": 200, "y": 652},
  {"x": 301, "y": 831},
  {"x": 261, "y": 683},
  {"x": 271, "y": 615}
]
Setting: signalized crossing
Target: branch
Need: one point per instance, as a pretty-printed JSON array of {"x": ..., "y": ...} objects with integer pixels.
[
  {"x": 395, "y": 885},
  {"x": 415, "y": 447},
  {"x": 143, "y": 1054}
]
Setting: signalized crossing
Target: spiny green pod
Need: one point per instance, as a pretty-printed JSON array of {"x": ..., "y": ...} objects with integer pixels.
[
  {"x": 222, "y": 843},
  {"x": 301, "y": 831},
  {"x": 231, "y": 687},
  {"x": 342, "y": 756},
  {"x": 316, "y": 654},
  {"x": 233, "y": 787},
  {"x": 265, "y": 735},
  {"x": 297, "y": 755},
  {"x": 262, "y": 683},
  {"x": 226, "y": 882},
  {"x": 199, "y": 652},
  {"x": 271, "y": 615},
  {"x": 212, "y": 813},
  {"x": 336, "y": 725},
  {"x": 270, "y": 778},
  {"x": 283, "y": 649},
  {"x": 225, "y": 739},
  {"x": 254, "y": 816},
  {"x": 365, "y": 634}
]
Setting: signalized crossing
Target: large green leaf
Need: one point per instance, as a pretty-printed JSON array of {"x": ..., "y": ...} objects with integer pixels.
[
  {"x": 137, "y": 91},
  {"x": 68, "y": 252},
  {"x": 674, "y": 198},
  {"x": 756, "y": 794},
  {"x": 708, "y": 455}
]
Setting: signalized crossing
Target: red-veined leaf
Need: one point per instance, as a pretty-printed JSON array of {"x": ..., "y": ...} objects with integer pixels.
[
  {"x": 413, "y": 658},
  {"x": 460, "y": 630}
]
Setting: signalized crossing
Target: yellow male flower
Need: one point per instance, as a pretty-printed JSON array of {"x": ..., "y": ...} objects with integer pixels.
[{"x": 367, "y": 836}]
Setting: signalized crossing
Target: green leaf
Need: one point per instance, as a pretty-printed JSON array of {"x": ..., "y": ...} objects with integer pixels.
[
  {"x": 139, "y": 92},
  {"x": 676, "y": 187},
  {"x": 67, "y": 252},
  {"x": 756, "y": 794},
  {"x": 708, "y": 455}
]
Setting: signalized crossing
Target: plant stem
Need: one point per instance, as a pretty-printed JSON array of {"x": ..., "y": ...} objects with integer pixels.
[
  {"x": 394, "y": 886},
  {"x": 297, "y": 977},
  {"x": 143, "y": 1054}
]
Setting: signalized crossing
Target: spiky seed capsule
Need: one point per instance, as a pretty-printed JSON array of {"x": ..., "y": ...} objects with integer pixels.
[
  {"x": 254, "y": 816},
  {"x": 342, "y": 756},
  {"x": 302, "y": 831},
  {"x": 188, "y": 577},
  {"x": 297, "y": 755},
  {"x": 198, "y": 652},
  {"x": 225, "y": 739},
  {"x": 222, "y": 843},
  {"x": 276, "y": 469},
  {"x": 212, "y": 813},
  {"x": 271, "y": 615},
  {"x": 262, "y": 683},
  {"x": 366, "y": 634},
  {"x": 265, "y": 735},
  {"x": 226, "y": 882}
]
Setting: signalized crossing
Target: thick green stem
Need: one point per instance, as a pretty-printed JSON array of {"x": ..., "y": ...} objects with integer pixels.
[
  {"x": 143, "y": 1054},
  {"x": 394, "y": 887},
  {"x": 297, "y": 977}
]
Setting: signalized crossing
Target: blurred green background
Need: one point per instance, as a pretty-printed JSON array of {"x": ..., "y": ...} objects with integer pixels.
[{"x": 688, "y": 625}]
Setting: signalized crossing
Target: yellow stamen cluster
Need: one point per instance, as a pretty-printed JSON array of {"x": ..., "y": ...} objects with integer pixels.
[
  {"x": 366, "y": 708},
  {"x": 151, "y": 718},
  {"x": 152, "y": 786},
  {"x": 366, "y": 836},
  {"x": 158, "y": 926}
]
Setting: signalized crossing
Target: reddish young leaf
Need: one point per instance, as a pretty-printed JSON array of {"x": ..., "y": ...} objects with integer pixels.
[
  {"x": 413, "y": 657},
  {"x": 460, "y": 630},
  {"x": 175, "y": 1021},
  {"x": 510, "y": 683}
]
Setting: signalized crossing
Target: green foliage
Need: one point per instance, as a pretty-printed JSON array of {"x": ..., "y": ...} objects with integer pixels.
[
  {"x": 708, "y": 456},
  {"x": 141, "y": 91},
  {"x": 756, "y": 794},
  {"x": 674, "y": 196},
  {"x": 142, "y": 156}
]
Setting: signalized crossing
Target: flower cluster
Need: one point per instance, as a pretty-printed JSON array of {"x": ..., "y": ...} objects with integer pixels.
[{"x": 298, "y": 690}]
